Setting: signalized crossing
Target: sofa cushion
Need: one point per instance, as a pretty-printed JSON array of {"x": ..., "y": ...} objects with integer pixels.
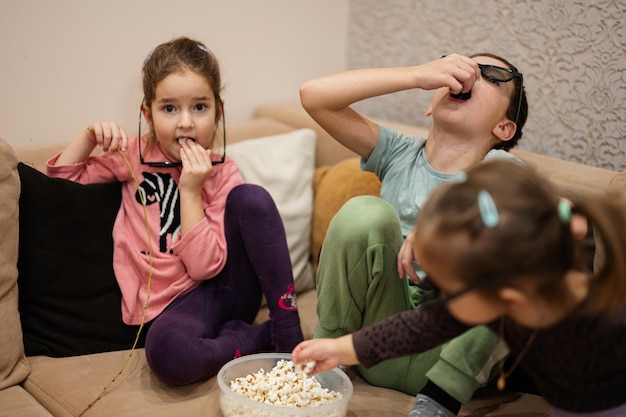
[
  {"x": 69, "y": 298},
  {"x": 66, "y": 386},
  {"x": 13, "y": 364},
  {"x": 16, "y": 401},
  {"x": 284, "y": 164},
  {"x": 333, "y": 187},
  {"x": 254, "y": 128},
  {"x": 572, "y": 180},
  {"x": 328, "y": 151}
]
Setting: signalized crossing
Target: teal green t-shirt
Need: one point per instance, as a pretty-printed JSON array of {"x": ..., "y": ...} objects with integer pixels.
[{"x": 406, "y": 176}]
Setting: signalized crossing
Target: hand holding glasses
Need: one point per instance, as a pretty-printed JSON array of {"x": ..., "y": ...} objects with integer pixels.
[{"x": 496, "y": 74}]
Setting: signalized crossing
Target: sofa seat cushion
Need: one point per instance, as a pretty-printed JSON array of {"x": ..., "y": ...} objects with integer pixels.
[
  {"x": 16, "y": 401},
  {"x": 66, "y": 386}
]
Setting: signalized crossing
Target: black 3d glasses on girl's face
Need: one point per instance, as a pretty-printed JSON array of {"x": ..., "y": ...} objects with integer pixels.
[
  {"x": 496, "y": 73},
  {"x": 440, "y": 300},
  {"x": 218, "y": 156}
]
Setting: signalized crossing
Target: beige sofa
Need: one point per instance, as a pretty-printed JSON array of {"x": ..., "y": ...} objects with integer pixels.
[{"x": 45, "y": 386}]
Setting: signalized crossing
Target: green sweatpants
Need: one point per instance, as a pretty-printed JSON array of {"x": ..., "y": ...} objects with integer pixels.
[{"x": 358, "y": 285}]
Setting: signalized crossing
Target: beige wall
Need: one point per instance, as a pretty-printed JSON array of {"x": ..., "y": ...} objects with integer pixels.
[{"x": 66, "y": 63}]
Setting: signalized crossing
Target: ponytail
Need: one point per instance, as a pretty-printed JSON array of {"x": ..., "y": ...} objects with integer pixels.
[{"x": 607, "y": 290}]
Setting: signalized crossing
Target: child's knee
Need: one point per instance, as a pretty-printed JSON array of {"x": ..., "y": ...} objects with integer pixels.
[
  {"x": 369, "y": 209},
  {"x": 167, "y": 359},
  {"x": 250, "y": 198},
  {"x": 364, "y": 217}
]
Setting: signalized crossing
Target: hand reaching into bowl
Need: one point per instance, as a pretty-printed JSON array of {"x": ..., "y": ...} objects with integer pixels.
[{"x": 325, "y": 353}]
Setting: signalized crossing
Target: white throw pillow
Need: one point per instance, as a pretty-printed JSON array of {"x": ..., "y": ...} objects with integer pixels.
[{"x": 284, "y": 165}]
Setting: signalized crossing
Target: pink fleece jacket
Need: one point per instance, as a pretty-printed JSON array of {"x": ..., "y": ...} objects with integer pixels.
[{"x": 186, "y": 260}]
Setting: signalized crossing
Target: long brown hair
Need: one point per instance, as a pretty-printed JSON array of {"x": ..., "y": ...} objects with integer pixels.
[
  {"x": 531, "y": 238},
  {"x": 608, "y": 216}
]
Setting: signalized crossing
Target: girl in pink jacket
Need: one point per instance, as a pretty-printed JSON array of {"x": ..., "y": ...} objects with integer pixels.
[{"x": 216, "y": 245}]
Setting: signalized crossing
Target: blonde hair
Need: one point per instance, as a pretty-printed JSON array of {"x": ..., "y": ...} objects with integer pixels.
[{"x": 531, "y": 237}]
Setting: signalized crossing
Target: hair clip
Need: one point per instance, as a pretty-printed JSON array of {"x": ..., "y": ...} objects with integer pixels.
[
  {"x": 205, "y": 49},
  {"x": 145, "y": 61},
  {"x": 488, "y": 210},
  {"x": 201, "y": 47},
  {"x": 458, "y": 177},
  {"x": 565, "y": 210}
]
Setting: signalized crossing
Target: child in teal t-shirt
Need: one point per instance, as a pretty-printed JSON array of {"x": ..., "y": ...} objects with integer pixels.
[{"x": 477, "y": 114}]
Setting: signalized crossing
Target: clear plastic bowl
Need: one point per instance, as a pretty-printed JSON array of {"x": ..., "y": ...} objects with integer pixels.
[{"x": 234, "y": 404}]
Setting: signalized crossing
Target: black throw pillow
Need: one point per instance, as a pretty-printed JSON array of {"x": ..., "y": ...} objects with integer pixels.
[{"x": 69, "y": 300}]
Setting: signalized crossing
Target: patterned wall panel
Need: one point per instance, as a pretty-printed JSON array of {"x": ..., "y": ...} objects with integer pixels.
[{"x": 572, "y": 54}]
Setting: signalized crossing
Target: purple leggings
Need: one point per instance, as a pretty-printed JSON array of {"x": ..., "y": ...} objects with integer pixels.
[{"x": 202, "y": 330}]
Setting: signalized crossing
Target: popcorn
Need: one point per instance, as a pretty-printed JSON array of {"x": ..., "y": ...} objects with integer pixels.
[
  {"x": 307, "y": 366},
  {"x": 285, "y": 385}
]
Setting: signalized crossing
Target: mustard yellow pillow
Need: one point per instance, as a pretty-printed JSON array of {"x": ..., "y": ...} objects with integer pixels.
[{"x": 333, "y": 186}]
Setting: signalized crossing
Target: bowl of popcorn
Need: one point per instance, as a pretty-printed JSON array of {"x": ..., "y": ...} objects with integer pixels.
[{"x": 269, "y": 384}]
